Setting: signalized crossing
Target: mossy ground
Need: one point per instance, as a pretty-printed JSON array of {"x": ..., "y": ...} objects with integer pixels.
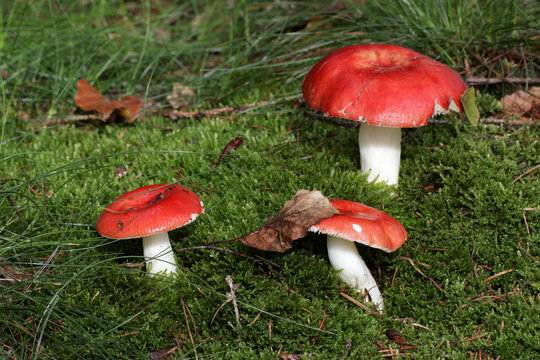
[{"x": 466, "y": 280}]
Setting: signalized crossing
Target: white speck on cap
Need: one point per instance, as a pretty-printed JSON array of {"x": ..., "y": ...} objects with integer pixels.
[
  {"x": 438, "y": 109},
  {"x": 357, "y": 228},
  {"x": 342, "y": 111},
  {"x": 453, "y": 106}
]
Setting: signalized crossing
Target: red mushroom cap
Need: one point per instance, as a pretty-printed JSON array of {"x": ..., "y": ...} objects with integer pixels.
[
  {"x": 149, "y": 210},
  {"x": 363, "y": 224},
  {"x": 385, "y": 85}
]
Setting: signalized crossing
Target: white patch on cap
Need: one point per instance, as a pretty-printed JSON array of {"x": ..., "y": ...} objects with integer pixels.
[
  {"x": 453, "y": 106},
  {"x": 342, "y": 111},
  {"x": 439, "y": 109},
  {"x": 357, "y": 228},
  {"x": 202, "y": 205},
  {"x": 314, "y": 229}
]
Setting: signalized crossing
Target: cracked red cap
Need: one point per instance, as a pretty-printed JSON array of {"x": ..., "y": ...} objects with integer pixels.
[
  {"x": 385, "y": 85},
  {"x": 149, "y": 210},
  {"x": 364, "y": 225}
]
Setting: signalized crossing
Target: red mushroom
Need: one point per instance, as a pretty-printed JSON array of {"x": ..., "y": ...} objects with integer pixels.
[
  {"x": 387, "y": 87},
  {"x": 365, "y": 225},
  {"x": 150, "y": 212}
]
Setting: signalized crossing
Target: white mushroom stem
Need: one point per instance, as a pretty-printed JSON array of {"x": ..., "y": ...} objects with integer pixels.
[
  {"x": 344, "y": 256},
  {"x": 158, "y": 254},
  {"x": 380, "y": 150}
]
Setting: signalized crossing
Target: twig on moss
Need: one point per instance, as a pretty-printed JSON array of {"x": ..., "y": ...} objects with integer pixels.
[
  {"x": 358, "y": 303},
  {"x": 232, "y": 296},
  {"x": 348, "y": 346},
  {"x": 323, "y": 319},
  {"x": 498, "y": 274},
  {"x": 188, "y": 328},
  {"x": 525, "y": 173},
  {"x": 256, "y": 317},
  {"x": 489, "y": 81},
  {"x": 469, "y": 339}
]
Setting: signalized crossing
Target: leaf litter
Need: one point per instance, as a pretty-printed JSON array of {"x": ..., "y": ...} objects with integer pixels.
[
  {"x": 88, "y": 98},
  {"x": 292, "y": 222}
]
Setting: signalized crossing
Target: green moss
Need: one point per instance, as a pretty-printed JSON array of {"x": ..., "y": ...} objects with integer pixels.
[{"x": 467, "y": 279}]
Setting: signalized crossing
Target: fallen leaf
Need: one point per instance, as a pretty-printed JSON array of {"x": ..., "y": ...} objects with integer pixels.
[
  {"x": 88, "y": 98},
  {"x": 468, "y": 100},
  {"x": 232, "y": 145},
  {"x": 521, "y": 102},
  {"x": 13, "y": 275},
  {"x": 298, "y": 214},
  {"x": 394, "y": 336}
]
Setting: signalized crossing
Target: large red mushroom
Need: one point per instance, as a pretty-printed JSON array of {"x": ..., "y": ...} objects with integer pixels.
[
  {"x": 359, "y": 223},
  {"x": 387, "y": 87},
  {"x": 150, "y": 212}
]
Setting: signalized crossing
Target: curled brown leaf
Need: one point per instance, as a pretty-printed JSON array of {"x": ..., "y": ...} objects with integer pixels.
[
  {"x": 522, "y": 102},
  {"x": 292, "y": 222},
  {"x": 88, "y": 98},
  {"x": 232, "y": 145}
]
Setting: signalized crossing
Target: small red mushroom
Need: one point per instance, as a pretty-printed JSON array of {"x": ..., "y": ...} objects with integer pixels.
[
  {"x": 150, "y": 212},
  {"x": 365, "y": 225},
  {"x": 387, "y": 87}
]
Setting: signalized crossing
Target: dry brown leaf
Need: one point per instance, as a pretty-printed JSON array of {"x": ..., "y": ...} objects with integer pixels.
[
  {"x": 13, "y": 275},
  {"x": 521, "y": 102},
  {"x": 88, "y": 98},
  {"x": 298, "y": 214},
  {"x": 395, "y": 336},
  {"x": 231, "y": 145}
]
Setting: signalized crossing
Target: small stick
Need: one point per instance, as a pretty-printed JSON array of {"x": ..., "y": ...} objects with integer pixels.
[
  {"x": 437, "y": 286},
  {"x": 358, "y": 303},
  {"x": 489, "y": 81},
  {"x": 232, "y": 296},
  {"x": 470, "y": 339},
  {"x": 200, "y": 188},
  {"x": 73, "y": 118},
  {"x": 323, "y": 319},
  {"x": 189, "y": 329},
  {"x": 526, "y": 223},
  {"x": 420, "y": 326},
  {"x": 348, "y": 346},
  {"x": 411, "y": 261},
  {"x": 526, "y": 173},
  {"x": 129, "y": 334},
  {"x": 394, "y": 276},
  {"x": 256, "y": 317},
  {"x": 498, "y": 274}
]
